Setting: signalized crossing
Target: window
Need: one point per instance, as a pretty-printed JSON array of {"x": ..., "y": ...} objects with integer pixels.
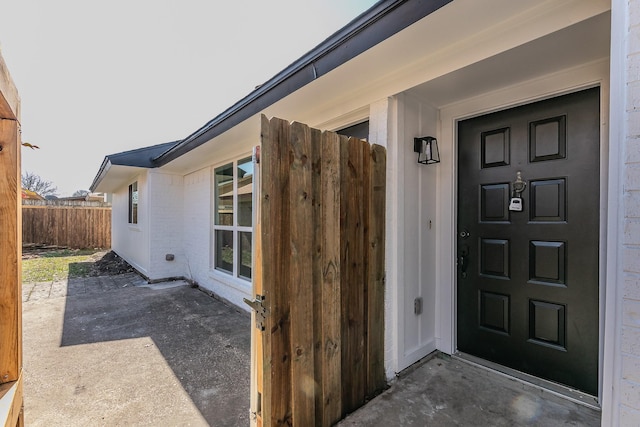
[
  {"x": 133, "y": 203},
  {"x": 360, "y": 130},
  {"x": 233, "y": 218}
]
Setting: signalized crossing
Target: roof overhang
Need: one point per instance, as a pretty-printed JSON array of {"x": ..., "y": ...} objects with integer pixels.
[
  {"x": 381, "y": 21},
  {"x": 113, "y": 177},
  {"x": 461, "y": 49},
  {"x": 118, "y": 168}
]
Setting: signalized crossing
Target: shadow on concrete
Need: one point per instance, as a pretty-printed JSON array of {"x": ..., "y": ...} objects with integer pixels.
[{"x": 204, "y": 341}]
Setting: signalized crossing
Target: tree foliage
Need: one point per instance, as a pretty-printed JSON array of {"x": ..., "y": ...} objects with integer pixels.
[
  {"x": 35, "y": 183},
  {"x": 80, "y": 193}
]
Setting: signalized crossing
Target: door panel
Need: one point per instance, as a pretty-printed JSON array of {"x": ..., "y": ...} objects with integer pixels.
[{"x": 528, "y": 280}]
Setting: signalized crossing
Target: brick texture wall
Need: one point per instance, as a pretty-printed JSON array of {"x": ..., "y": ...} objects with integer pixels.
[
  {"x": 130, "y": 241},
  {"x": 165, "y": 226},
  {"x": 630, "y": 334},
  {"x": 197, "y": 217},
  {"x": 197, "y": 242}
]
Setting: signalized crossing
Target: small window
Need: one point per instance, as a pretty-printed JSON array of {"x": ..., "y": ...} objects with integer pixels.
[
  {"x": 360, "y": 130},
  {"x": 233, "y": 218},
  {"x": 133, "y": 203}
]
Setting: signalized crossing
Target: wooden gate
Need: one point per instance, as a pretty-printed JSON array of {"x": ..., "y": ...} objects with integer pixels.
[{"x": 320, "y": 275}]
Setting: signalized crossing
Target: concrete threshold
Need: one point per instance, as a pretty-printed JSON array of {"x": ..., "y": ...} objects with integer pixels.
[
  {"x": 442, "y": 390},
  {"x": 560, "y": 390}
]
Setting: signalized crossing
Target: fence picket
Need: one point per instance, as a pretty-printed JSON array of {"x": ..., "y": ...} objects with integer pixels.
[
  {"x": 301, "y": 275},
  {"x": 353, "y": 293},
  {"x": 275, "y": 273},
  {"x": 330, "y": 376},
  {"x": 375, "y": 269}
]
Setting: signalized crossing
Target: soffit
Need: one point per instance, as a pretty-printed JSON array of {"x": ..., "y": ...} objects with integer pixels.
[
  {"x": 116, "y": 177},
  {"x": 585, "y": 42}
]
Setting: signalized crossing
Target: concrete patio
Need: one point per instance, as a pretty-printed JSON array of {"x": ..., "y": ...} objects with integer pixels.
[{"x": 113, "y": 351}]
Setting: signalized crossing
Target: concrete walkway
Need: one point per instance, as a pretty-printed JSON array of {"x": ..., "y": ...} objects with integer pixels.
[{"x": 113, "y": 351}]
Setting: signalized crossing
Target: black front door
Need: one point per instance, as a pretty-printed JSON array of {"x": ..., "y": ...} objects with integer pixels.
[{"x": 527, "y": 243}]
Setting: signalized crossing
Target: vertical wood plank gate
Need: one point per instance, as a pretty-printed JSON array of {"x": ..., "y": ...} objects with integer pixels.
[
  {"x": 11, "y": 383},
  {"x": 319, "y": 280}
]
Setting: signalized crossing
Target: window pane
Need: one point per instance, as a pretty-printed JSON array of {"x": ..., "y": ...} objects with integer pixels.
[
  {"x": 224, "y": 250},
  {"x": 224, "y": 195},
  {"x": 133, "y": 203},
  {"x": 245, "y": 254},
  {"x": 245, "y": 191},
  {"x": 361, "y": 130},
  {"x": 134, "y": 199}
]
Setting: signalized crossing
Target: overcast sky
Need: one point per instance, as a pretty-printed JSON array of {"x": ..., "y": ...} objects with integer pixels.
[{"x": 100, "y": 77}]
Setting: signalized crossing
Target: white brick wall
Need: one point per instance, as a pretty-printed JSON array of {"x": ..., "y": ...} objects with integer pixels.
[
  {"x": 629, "y": 359},
  {"x": 629, "y": 417},
  {"x": 197, "y": 242},
  {"x": 165, "y": 225},
  {"x": 197, "y": 230},
  {"x": 130, "y": 241}
]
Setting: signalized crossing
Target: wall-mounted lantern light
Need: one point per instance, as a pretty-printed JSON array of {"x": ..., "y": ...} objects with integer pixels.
[{"x": 427, "y": 149}]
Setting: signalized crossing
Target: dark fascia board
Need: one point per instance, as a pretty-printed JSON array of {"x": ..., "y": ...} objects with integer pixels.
[
  {"x": 142, "y": 157},
  {"x": 139, "y": 157},
  {"x": 381, "y": 21}
]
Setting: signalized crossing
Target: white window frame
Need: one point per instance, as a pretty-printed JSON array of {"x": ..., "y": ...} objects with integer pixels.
[{"x": 236, "y": 229}]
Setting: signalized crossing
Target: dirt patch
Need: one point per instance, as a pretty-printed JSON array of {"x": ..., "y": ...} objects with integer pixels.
[
  {"x": 102, "y": 262},
  {"x": 110, "y": 264}
]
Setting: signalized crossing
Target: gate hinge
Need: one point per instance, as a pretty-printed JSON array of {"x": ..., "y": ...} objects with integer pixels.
[{"x": 261, "y": 311}]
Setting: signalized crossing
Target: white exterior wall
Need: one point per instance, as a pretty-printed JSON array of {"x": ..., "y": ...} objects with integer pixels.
[
  {"x": 621, "y": 391},
  {"x": 165, "y": 200},
  {"x": 410, "y": 224},
  {"x": 417, "y": 118},
  {"x": 131, "y": 241},
  {"x": 382, "y": 125},
  {"x": 198, "y": 238},
  {"x": 197, "y": 228}
]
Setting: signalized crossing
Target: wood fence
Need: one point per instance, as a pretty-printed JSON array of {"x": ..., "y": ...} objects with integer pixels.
[
  {"x": 76, "y": 226},
  {"x": 321, "y": 262}
]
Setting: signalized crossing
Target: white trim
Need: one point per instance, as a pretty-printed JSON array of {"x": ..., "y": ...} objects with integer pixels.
[
  {"x": 399, "y": 283},
  {"x": 227, "y": 279},
  {"x": 566, "y": 81},
  {"x": 345, "y": 120},
  {"x": 612, "y": 328}
]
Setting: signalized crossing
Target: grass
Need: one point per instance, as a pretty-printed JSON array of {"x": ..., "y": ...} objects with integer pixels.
[{"x": 57, "y": 265}]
